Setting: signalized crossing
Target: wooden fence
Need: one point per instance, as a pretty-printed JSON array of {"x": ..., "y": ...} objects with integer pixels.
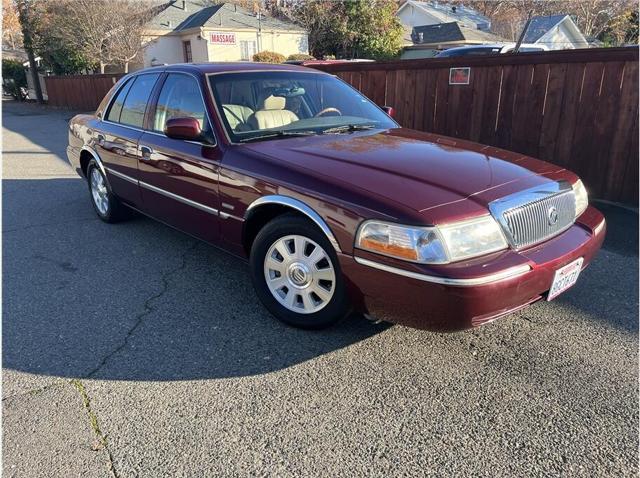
[
  {"x": 79, "y": 92},
  {"x": 575, "y": 108}
]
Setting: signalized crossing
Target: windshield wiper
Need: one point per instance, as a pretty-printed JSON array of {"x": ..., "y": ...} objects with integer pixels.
[
  {"x": 348, "y": 128},
  {"x": 277, "y": 134}
]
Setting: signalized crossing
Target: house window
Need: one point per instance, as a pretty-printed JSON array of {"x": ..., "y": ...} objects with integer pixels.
[
  {"x": 247, "y": 50},
  {"x": 186, "y": 48}
]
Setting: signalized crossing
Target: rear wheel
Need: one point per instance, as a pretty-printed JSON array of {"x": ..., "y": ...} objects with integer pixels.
[
  {"x": 296, "y": 274},
  {"x": 105, "y": 203}
]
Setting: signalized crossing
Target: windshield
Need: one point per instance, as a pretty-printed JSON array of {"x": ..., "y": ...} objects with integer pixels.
[{"x": 275, "y": 104}]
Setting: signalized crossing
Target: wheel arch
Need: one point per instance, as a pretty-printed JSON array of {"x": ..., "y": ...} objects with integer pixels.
[
  {"x": 86, "y": 155},
  {"x": 266, "y": 208}
]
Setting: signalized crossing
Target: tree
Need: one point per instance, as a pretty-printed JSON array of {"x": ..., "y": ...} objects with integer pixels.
[
  {"x": 373, "y": 28},
  {"x": 593, "y": 17},
  {"x": 28, "y": 24},
  {"x": 11, "y": 31},
  {"x": 351, "y": 28},
  {"x": 125, "y": 42},
  {"x": 57, "y": 55},
  {"x": 106, "y": 32},
  {"x": 621, "y": 31}
]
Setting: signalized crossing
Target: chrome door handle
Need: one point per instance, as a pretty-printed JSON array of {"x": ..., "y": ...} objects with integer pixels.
[{"x": 146, "y": 152}]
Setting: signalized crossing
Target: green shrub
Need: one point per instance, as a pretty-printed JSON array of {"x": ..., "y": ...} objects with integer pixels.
[
  {"x": 14, "y": 78},
  {"x": 268, "y": 57},
  {"x": 300, "y": 57}
]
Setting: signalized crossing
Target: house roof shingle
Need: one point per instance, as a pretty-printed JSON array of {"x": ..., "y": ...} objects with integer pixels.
[
  {"x": 450, "y": 32},
  {"x": 459, "y": 13},
  {"x": 225, "y": 15}
]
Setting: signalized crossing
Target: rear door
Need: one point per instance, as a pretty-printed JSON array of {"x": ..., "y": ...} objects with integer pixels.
[
  {"x": 179, "y": 179},
  {"x": 117, "y": 141}
]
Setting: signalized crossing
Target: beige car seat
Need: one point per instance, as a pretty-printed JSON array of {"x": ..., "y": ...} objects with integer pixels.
[
  {"x": 272, "y": 114},
  {"x": 237, "y": 114}
]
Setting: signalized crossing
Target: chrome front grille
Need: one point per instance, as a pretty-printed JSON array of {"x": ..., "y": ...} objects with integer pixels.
[{"x": 535, "y": 215}]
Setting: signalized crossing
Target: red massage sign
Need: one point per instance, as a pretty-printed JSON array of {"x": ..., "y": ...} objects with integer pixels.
[{"x": 220, "y": 38}]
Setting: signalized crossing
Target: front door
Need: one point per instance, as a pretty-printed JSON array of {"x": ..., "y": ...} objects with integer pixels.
[
  {"x": 117, "y": 141},
  {"x": 179, "y": 179}
]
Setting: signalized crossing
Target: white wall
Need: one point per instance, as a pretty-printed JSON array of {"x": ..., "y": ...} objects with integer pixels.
[
  {"x": 169, "y": 48},
  {"x": 165, "y": 49},
  {"x": 284, "y": 43},
  {"x": 412, "y": 16},
  {"x": 199, "y": 50},
  {"x": 560, "y": 38}
]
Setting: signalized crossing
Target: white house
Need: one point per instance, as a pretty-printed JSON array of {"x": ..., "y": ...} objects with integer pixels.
[
  {"x": 556, "y": 32},
  {"x": 415, "y": 13},
  {"x": 185, "y": 31}
]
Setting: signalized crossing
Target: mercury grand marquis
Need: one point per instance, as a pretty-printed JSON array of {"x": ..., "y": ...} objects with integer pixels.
[{"x": 336, "y": 207}]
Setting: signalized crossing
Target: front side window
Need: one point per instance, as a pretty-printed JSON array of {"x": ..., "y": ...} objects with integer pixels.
[
  {"x": 252, "y": 104},
  {"x": 180, "y": 97},
  {"x": 135, "y": 103}
]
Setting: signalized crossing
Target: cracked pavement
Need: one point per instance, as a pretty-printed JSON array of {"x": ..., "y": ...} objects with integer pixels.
[{"x": 133, "y": 350}]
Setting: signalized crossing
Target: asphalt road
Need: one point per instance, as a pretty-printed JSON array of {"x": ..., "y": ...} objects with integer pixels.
[{"x": 133, "y": 350}]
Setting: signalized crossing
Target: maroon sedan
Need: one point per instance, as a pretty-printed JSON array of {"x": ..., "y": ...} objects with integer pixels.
[{"x": 336, "y": 207}]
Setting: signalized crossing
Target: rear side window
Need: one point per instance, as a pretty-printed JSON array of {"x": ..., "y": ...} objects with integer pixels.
[
  {"x": 116, "y": 106},
  {"x": 135, "y": 103}
]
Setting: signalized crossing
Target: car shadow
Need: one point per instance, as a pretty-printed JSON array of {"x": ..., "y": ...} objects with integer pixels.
[
  {"x": 141, "y": 301},
  {"x": 607, "y": 289},
  {"x": 136, "y": 300}
]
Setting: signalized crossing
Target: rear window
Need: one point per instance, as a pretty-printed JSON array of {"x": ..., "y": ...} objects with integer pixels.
[{"x": 116, "y": 106}]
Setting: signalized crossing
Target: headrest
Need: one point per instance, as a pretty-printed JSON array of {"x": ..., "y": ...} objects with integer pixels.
[{"x": 274, "y": 103}]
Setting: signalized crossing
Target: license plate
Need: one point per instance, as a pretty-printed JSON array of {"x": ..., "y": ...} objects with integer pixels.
[{"x": 564, "y": 278}]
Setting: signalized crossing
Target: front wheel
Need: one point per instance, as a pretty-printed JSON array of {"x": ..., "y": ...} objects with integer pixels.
[{"x": 296, "y": 274}]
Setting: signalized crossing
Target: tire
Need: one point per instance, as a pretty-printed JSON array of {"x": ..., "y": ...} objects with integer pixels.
[
  {"x": 106, "y": 205},
  {"x": 296, "y": 274}
]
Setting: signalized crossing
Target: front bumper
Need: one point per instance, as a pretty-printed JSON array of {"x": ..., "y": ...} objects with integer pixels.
[{"x": 470, "y": 293}]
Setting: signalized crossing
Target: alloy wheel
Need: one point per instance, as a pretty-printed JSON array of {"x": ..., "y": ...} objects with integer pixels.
[{"x": 99, "y": 192}]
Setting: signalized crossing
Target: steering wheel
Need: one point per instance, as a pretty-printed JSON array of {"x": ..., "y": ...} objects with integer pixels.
[{"x": 328, "y": 110}]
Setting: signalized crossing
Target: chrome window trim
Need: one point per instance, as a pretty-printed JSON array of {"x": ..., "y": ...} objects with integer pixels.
[
  {"x": 499, "y": 206},
  {"x": 298, "y": 206},
  {"x": 204, "y": 102},
  {"x": 510, "y": 273}
]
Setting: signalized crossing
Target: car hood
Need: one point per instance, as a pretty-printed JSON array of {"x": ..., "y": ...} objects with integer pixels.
[{"x": 418, "y": 170}]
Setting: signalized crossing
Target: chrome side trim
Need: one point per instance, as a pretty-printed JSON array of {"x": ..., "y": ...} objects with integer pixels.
[
  {"x": 120, "y": 175},
  {"x": 96, "y": 157},
  {"x": 489, "y": 279},
  {"x": 226, "y": 215},
  {"x": 298, "y": 206},
  {"x": 181, "y": 199}
]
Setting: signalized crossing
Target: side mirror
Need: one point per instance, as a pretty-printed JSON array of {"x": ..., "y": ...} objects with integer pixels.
[
  {"x": 389, "y": 110},
  {"x": 183, "y": 128}
]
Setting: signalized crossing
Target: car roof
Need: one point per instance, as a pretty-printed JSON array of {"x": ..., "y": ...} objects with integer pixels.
[{"x": 224, "y": 67}]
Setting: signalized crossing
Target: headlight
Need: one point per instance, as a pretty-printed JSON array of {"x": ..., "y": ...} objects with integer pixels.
[
  {"x": 432, "y": 245},
  {"x": 582, "y": 200}
]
